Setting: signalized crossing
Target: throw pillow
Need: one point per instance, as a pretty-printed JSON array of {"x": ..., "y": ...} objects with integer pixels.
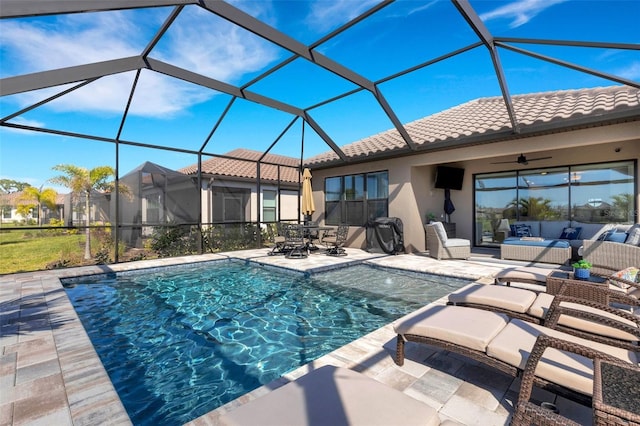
[
  {"x": 629, "y": 274},
  {"x": 605, "y": 234},
  {"x": 634, "y": 235},
  {"x": 570, "y": 233},
  {"x": 520, "y": 230},
  {"x": 616, "y": 237}
]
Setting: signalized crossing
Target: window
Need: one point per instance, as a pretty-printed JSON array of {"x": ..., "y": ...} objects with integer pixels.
[
  {"x": 354, "y": 199},
  {"x": 230, "y": 204},
  {"x": 592, "y": 193},
  {"x": 6, "y": 212},
  {"x": 269, "y": 204}
]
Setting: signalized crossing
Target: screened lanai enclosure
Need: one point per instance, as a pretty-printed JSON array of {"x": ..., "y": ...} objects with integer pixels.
[{"x": 154, "y": 89}]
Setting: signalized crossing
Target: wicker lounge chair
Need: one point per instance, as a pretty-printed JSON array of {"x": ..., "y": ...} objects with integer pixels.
[
  {"x": 522, "y": 274},
  {"x": 442, "y": 247},
  {"x": 505, "y": 344},
  {"x": 624, "y": 391},
  {"x": 333, "y": 396},
  {"x": 579, "y": 317}
]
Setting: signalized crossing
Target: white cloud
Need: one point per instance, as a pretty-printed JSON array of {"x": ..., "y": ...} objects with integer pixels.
[
  {"x": 519, "y": 12},
  {"x": 197, "y": 41},
  {"x": 24, "y": 122},
  {"x": 630, "y": 72},
  {"x": 329, "y": 14}
]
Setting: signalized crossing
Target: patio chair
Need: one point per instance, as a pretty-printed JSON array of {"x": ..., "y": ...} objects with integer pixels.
[
  {"x": 505, "y": 344},
  {"x": 278, "y": 238},
  {"x": 442, "y": 247},
  {"x": 333, "y": 396},
  {"x": 295, "y": 242},
  {"x": 579, "y": 317},
  {"x": 335, "y": 243}
]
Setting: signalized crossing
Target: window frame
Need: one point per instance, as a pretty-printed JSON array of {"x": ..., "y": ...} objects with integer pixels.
[{"x": 354, "y": 206}]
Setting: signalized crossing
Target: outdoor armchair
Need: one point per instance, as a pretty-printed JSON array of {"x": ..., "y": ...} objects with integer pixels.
[{"x": 442, "y": 247}]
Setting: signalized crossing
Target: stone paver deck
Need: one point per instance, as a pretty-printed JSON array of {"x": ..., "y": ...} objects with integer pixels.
[{"x": 50, "y": 373}]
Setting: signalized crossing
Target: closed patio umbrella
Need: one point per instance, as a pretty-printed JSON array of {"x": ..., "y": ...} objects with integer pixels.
[{"x": 308, "y": 207}]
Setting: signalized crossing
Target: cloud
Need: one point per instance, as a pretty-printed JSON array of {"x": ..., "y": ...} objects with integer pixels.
[
  {"x": 325, "y": 15},
  {"x": 24, "y": 122},
  {"x": 630, "y": 72},
  {"x": 520, "y": 12},
  {"x": 198, "y": 41}
]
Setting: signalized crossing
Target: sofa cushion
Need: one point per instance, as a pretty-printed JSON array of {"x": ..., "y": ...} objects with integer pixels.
[
  {"x": 591, "y": 231},
  {"x": 571, "y": 233},
  {"x": 552, "y": 229},
  {"x": 440, "y": 231}
]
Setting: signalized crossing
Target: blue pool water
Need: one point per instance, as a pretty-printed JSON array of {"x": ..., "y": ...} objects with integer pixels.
[{"x": 179, "y": 342}]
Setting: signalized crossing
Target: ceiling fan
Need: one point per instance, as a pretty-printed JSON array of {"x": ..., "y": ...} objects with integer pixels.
[{"x": 522, "y": 160}]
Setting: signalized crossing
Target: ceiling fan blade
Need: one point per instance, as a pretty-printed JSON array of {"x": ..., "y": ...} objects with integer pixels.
[
  {"x": 539, "y": 158},
  {"x": 504, "y": 162}
]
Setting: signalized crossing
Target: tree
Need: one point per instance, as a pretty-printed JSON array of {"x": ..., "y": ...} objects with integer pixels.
[
  {"x": 7, "y": 186},
  {"x": 41, "y": 197},
  {"x": 83, "y": 181}
]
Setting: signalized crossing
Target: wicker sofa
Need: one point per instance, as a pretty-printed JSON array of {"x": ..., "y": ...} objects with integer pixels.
[
  {"x": 607, "y": 255},
  {"x": 553, "y": 229}
]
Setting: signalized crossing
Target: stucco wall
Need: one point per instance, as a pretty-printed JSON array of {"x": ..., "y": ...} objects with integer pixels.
[{"x": 411, "y": 191}]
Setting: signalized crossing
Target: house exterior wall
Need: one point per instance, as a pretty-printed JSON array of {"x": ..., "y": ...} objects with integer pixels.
[{"x": 411, "y": 178}]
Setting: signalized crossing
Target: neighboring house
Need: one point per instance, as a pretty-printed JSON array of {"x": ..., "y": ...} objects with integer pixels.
[
  {"x": 9, "y": 205},
  {"x": 230, "y": 191},
  {"x": 586, "y": 146},
  {"x": 154, "y": 195}
]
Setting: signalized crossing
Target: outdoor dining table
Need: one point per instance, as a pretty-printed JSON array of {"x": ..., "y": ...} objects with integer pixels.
[{"x": 308, "y": 232}]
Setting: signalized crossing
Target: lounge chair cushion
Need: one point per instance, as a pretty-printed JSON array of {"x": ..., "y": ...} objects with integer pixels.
[
  {"x": 514, "y": 343},
  {"x": 472, "y": 328},
  {"x": 541, "y": 305},
  {"x": 523, "y": 273},
  {"x": 513, "y": 299},
  {"x": 596, "y": 327},
  {"x": 333, "y": 396}
]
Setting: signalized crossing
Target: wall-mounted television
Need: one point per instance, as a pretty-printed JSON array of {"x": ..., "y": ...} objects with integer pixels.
[{"x": 449, "y": 177}]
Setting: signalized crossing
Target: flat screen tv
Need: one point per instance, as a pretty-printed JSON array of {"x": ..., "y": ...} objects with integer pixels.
[{"x": 449, "y": 177}]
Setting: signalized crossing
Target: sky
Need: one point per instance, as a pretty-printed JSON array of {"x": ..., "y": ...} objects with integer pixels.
[{"x": 167, "y": 112}]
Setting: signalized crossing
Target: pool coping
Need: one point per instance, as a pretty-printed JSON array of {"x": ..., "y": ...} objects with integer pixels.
[{"x": 49, "y": 362}]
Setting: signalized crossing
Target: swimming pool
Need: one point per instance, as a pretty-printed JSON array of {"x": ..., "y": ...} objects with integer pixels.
[{"x": 179, "y": 342}]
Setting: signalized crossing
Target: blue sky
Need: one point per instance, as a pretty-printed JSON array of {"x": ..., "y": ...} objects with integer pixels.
[{"x": 167, "y": 112}]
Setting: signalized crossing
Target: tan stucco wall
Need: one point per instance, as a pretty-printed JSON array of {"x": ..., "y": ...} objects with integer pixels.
[{"x": 411, "y": 191}]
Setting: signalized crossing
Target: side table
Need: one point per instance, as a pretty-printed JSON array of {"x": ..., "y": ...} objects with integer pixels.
[
  {"x": 616, "y": 393},
  {"x": 595, "y": 288}
]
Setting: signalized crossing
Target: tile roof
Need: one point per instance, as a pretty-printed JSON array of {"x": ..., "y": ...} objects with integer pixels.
[
  {"x": 486, "y": 119},
  {"x": 232, "y": 165}
]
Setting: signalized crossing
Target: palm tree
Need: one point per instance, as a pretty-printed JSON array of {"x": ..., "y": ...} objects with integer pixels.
[
  {"x": 46, "y": 197},
  {"x": 83, "y": 181}
]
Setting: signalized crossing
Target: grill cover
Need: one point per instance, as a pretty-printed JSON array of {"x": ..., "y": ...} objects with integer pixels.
[{"x": 384, "y": 235}]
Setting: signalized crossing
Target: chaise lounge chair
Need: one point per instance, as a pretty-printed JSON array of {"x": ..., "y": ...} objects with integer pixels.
[
  {"x": 505, "y": 344},
  {"x": 333, "y": 396},
  {"x": 584, "y": 318}
]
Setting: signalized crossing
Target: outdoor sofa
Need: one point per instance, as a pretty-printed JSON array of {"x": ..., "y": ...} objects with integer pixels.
[
  {"x": 523, "y": 242},
  {"x": 503, "y": 343}
]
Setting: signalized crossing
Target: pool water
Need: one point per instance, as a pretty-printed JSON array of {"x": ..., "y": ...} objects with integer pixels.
[{"x": 179, "y": 342}]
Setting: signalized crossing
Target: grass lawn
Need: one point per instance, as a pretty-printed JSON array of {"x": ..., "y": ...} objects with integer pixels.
[{"x": 23, "y": 251}]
